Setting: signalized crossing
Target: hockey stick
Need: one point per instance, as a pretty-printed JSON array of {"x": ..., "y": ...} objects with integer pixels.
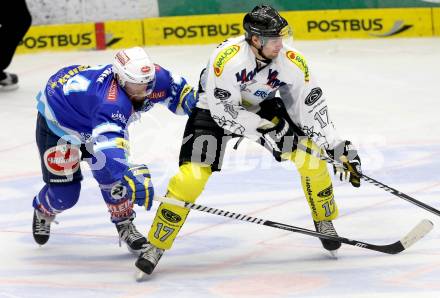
[
  {"x": 417, "y": 233},
  {"x": 375, "y": 182}
]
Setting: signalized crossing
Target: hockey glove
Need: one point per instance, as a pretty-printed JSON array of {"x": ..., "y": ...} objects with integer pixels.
[
  {"x": 137, "y": 182},
  {"x": 347, "y": 165},
  {"x": 280, "y": 137}
]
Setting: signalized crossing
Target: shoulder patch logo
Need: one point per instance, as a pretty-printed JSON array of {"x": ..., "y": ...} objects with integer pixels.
[
  {"x": 223, "y": 57},
  {"x": 313, "y": 96},
  {"x": 301, "y": 62},
  {"x": 221, "y": 94},
  {"x": 112, "y": 93}
]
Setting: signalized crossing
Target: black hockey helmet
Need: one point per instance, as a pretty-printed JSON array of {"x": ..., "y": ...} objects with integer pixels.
[{"x": 264, "y": 21}]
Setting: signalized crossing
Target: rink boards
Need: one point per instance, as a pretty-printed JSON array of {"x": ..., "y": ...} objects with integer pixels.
[{"x": 207, "y": 29}]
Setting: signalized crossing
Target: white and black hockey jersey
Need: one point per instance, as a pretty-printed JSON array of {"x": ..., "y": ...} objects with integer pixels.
[{"x": 235, "y": 84}]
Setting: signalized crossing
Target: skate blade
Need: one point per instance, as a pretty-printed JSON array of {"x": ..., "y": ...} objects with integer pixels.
[
  {"x": 333, "y": 254},
  {"x": 141, "y": 276},
  {"x": 136, "y": 253},
  {"x": 9, "y": 88}
]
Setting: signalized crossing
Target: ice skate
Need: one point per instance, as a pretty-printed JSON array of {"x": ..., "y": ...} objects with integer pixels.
[
  {"x": 8, "y": 82},
  {"x": 326, "y": 227},
  {"x": 41, "y": 226},
  {"x": 130, "y": 235},
  {"x": 148, "y": 260}
]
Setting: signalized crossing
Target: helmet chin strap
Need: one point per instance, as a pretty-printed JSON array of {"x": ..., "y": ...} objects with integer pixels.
[{"x": 260, "y": 52}]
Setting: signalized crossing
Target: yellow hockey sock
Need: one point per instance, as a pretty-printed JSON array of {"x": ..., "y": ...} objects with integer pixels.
[
  {"x": 316, "y": 182},
  {"x": 186, "y": 186}
]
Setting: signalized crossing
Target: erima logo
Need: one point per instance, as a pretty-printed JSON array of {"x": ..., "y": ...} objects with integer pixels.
[{"x": 397, "y": 28}]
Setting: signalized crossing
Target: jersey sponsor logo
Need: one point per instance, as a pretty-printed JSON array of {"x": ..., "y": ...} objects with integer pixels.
[
  {"x": 313, "y": 96},
  {"x": 156, "y": 94},
  {"x": 121, "y": 209},
  {"x": 202, "y": 30},
  {"x": 223, "y": 57},
  {"x": 171, "y": 216},
  {"x": 118, "y": 116},
  {"x": 261, "y": 93},
  {"x": 104, "y": 75},
  {"x": 326, "y": 192},
  {"x": 272, "y": 79},
  {"x": 221, "y": 94},
  {"x": 62, "y": 78},
  {"x": 299, "y": 61},
  {"x": 112, "y": 93},
  {"x": 243, "y": 76},
  {"x": 62, "y": 160}
]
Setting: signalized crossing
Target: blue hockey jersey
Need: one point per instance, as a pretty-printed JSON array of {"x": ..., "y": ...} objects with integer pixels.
[{"x": 86, "y": 104}]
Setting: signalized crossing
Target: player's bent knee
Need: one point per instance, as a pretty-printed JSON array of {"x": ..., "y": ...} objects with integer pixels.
[
  {"x": 189, "y": 183},
  {"x": 308, "y": 164},
  {"x": 64, "y": 196},
  {"x": 55, "y": 198}
]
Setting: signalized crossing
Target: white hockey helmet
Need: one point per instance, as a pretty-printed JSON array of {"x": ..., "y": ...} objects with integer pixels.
[{"x": 134, "y": 65}]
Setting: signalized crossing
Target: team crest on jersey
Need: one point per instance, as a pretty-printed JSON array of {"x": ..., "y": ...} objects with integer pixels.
[
  {"x": 223, "y": 57},
  {"x": 62, "y": 160},
  {"x": 301, "y": 62}
]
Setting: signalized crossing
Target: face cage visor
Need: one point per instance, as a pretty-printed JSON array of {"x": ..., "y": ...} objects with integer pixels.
[
  {"x": 140, "y": 90},
  {"x": 285, "y": 37}
]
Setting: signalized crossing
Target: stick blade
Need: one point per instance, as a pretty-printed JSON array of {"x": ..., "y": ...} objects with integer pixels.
[{"x": 417, "y": 233}]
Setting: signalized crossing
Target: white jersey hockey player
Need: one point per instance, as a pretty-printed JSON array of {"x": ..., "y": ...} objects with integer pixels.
[{"x": 259, "y": 87}]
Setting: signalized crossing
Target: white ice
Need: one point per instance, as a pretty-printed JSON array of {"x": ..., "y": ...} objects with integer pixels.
[{"x": 383, "y": 95}]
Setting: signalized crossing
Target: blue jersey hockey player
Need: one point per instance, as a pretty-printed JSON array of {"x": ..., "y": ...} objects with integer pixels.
[{"x": 83, "y": 114}]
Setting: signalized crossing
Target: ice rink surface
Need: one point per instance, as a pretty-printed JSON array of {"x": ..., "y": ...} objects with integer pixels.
[{"x": 382, "y": 94}]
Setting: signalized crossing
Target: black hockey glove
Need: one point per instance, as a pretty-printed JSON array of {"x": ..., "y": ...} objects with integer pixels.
[
  {"x": 347, "y": 165},
  {"x": 280, "y": 137}
]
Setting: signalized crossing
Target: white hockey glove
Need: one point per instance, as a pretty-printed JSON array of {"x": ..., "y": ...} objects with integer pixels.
[{"x": 347, "y": 165}]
